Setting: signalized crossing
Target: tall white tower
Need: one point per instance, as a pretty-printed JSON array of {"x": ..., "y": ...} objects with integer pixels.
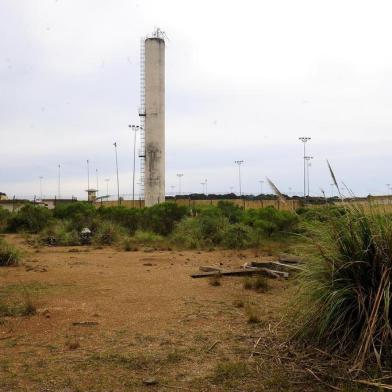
[{"x": 152, "y": 113}]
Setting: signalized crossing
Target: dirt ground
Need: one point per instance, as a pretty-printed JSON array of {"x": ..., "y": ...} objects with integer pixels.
[{"x": 110, "y": 320}]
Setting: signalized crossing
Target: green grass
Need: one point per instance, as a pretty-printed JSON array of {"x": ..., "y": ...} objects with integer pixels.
[
  {"x": 230, "y": 371},
  {"x": 9, "y": 255},
  {"x": 344, "y": 302}
]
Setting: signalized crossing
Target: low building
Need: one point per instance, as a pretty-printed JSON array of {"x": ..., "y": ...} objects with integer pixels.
[{"x": 3, "y": 196}]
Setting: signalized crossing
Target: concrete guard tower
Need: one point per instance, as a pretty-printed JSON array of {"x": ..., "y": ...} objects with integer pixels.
[{"x": 152, "y": 118}]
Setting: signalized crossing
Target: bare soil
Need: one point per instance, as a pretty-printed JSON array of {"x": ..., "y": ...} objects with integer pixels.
[{"x": 110, "y": 320}]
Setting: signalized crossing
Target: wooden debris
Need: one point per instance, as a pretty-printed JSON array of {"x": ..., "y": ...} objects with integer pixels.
[
  {"x": 247, "y": 271},
  {"x": 276, "y": 265},
  {"x": 212, "y": 346},
  {"x": 285, "y": 258},
  {"x": 209, "y": 269},
  {"x": 85, "y": 323}
]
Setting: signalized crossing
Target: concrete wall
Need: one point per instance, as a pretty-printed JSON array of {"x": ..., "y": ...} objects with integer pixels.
[{"x": 154, "y": 177}]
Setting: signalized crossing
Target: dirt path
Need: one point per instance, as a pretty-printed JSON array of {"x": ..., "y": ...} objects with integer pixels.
[{"x": 108, "y": 320}]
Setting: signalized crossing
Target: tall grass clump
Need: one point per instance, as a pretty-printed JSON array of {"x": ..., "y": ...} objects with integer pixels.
[
  {"x": 345, "y": 288},
  {"x": 9, "y": 255}
]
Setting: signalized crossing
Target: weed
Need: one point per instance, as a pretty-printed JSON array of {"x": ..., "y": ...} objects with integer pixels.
[
  {"x": 9, "y": 255},
  {"x": 260, "y": 283},
  {"x": 248, "y": 284},
  {"x": 239, "y": 303},
  {"x": 230, "y": 371},
  {"x": 252, "y": 314},
  {"x": 215, "y": 280},
  {"x": 345, "y": 299}
]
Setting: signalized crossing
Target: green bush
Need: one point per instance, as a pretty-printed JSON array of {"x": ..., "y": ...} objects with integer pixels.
[
  {"x": 269, "y": 221},
  {"x": 237, "y": 236},
  {"x": 345, "y": 301},
  {"x": 81, "y": 214},
  {"x": 188, "y": 234},
  {"x": 108, "y": 233},
  {"x": 30, "y": 218},
  {"x": 129, "y": 218},
  {"x": 231, "y": 211},
  {"x": 162, "y": 218},
  {"x": 213, "y": 225},
  {"x": 9, "y": 255},
  {"x": 60, "y": 233},
  {"x": 5, "y": 215},
  {"x": 320, "y": 214}
]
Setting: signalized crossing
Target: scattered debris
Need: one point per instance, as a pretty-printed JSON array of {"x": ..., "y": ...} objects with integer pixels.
[
  {"x": 245, "y": 271},
  {"x": 285, "y": 258},
  {"x": 85, "y": 323},
  {"x": 209, "y": 269},
  {"x": 150, "y": 381},
  {"x": 35, "y": 268},
  {"x": 212, "y": 346}
]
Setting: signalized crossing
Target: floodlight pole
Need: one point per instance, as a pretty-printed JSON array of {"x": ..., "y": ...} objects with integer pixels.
[
  {"x": 134, "y": 128},
  {"x": 59, "y": 182},
  {"x": 179, "y": 175},
  {"x": 308, "y": 158},
  {"x": 239, "y": 163},
  {"x": 107, "y": 186},
  {"x": 118, "y": 182},
  {"x": 206, "y": 182},
  {"x": 261, "y": 186},
  {"x": 304, "y": 140},
  {"x": 88, "y": 175},
  {"x": 40, "y": 186},
  {"x": 96, "y": 173}
]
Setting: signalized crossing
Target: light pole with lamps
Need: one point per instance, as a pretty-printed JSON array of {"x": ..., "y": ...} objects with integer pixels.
[
  {"x": 118, "y": 182},
  {"x": 304, "y": 140},
  {"x": 179, "y": 175},
  {"x": 134, "y": 128},
  {"x": 239, "y": 163},
  {"x": 308, "y": 164}
]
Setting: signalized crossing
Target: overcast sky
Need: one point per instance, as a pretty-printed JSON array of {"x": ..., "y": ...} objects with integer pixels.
[{"x": 244, "y": 79}]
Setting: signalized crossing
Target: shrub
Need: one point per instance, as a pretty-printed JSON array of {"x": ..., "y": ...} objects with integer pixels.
[
  {"x": 237, "y": 236},
  {"x": 148, "y": 238},
  {"x": 30, "y": 219},
  {"x": 345, "y": 297},
  {"x": 231, "y": 211},
  {"x": 129, "y": 218},
  {"x": 80, "y": 214},
  {"x": 108, "y": 234},
  {"x": 188, "y": 234},
  {"x": 9, "y": 255},
  {"x": 60, "y": 233},
  {"x": 5, "y": 215},
  {"x": 269, "y": 220},
  {"x": 212, "y": 225},
  {"x": 162, "y": 218}
]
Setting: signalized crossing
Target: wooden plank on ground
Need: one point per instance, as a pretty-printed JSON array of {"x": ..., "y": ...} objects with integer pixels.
[
  {"x": 243, "y": 272},
  {"x": 285, "y": 258}
]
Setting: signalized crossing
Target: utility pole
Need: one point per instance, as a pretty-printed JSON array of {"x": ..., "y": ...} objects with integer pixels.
[
  {"x": 40, "y": 187},
  {"x": 118, "y": 181},
  {"x": 239, "y": 163},
  {"x": 202, "y": 184},
  {"x": 308, "y": 164},
  {"x": 134, "y": 128},
  {"x": 179, "y": 175},
  {"x": 304, "y": 140},
  {"x": 261, "y": 186},
  {"x": 205, "y": 181},
  {"x": 107, "y": 186},
  {"x": 59, "y": 182},
  {"x": 88, "y": 175},
  {"x": 96, "y": 174}
]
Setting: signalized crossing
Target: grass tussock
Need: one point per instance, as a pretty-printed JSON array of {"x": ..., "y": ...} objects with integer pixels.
[
  {"x": 9, "y": 255},
  {"x": 258, "y": 283},
  {"x": 345, "y": 295},
  {"x": 253, "y": 314},
  {"x": 215, "y": 280},
  {"x": 230, "y": 371}
]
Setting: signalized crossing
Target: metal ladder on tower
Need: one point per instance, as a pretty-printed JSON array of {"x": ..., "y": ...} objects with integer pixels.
[{"x": 142, "y": 115}]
